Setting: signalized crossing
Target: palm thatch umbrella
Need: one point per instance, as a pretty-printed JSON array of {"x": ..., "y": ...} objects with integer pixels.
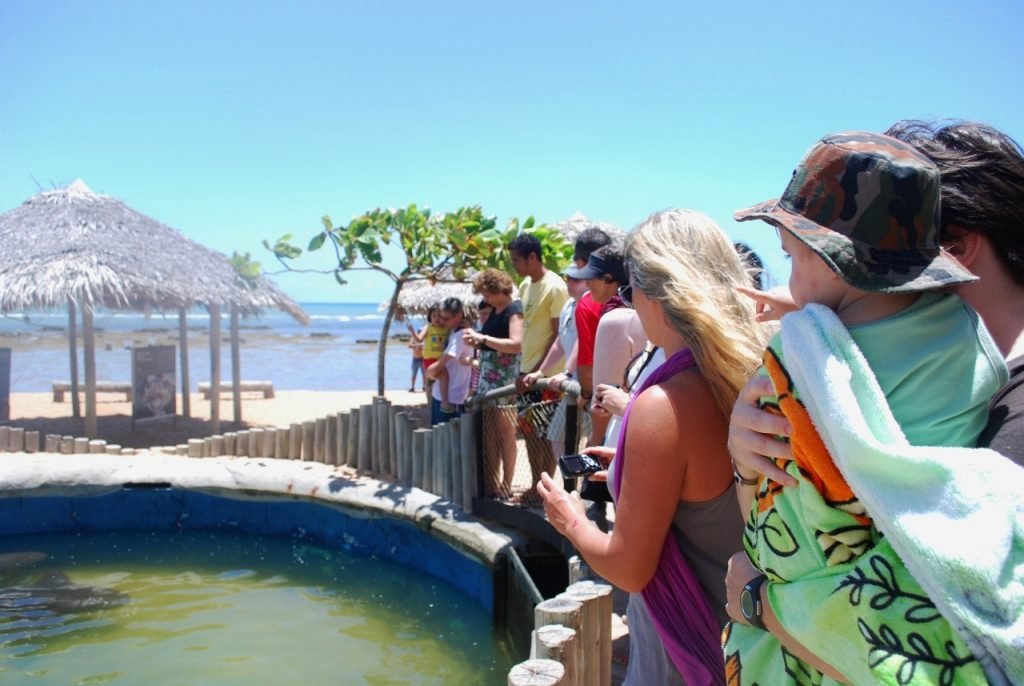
[
  {"x": 577, "y": 223},
  {"x": 73, "y": 247}
]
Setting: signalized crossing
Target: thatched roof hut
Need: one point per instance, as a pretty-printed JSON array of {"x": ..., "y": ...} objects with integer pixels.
[
  {"x": 72, "y": 247},
  {"x": 73, "y": 244},
  {"x": 577, "y": 223}
]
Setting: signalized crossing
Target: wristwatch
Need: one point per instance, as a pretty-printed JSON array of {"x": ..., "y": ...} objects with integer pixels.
[
  {"x": 741, "y": 480},
  {"x": 750, "y": 601}
]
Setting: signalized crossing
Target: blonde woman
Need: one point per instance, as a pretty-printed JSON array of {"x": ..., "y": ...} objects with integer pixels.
[
  {"x": 499, "y": 343},
  {"x": 677, "y": 520}
]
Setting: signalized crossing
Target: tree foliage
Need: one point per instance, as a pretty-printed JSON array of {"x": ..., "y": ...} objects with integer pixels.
[{"x": 446, "y": 247}]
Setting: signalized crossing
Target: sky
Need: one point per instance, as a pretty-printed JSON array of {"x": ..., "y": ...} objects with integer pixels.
[{"x": 238, "y": 122}]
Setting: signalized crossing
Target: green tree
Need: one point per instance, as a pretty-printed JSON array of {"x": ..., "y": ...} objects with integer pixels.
[{"x": 439, "y": 247}]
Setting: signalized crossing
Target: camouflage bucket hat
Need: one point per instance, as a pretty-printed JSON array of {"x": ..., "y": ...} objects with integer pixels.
[{"x": 868, "y": 205}]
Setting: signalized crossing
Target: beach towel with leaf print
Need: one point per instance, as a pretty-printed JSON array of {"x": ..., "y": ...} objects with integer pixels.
[{"x": 894, "y": 564}]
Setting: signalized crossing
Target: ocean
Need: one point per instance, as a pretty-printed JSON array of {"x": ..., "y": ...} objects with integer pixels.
[{"x": 325, "y": 355}]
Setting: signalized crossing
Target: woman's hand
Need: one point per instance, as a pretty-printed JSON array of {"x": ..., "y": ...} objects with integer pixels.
[
  {"x": 565, "y": 511},
  {"x": 603, "y": 453},
  {"x": 740, "y": 572},
  {"x": 752, "y": 435},
  {"x": 472, "y": 337},
  {"x": 770, "y": 305},
  {"x": 611, "y": 399}
]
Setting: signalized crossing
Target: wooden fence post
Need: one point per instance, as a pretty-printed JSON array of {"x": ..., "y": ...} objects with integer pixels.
[
  {"x": 365, "y": 463},
  {"x": 269, "y": 442},
  {"x": 352, "y": 449},
  {"x": 467, "y": 441},
  {"x": 558, "y": 643},
  {"x": 16, "y": 440},
  {"x": 331, "y": 440},
  {"x": 537, "y": 673},
  {"x": 419, "y": 442},
  {"x": 308, "y": 443},
  {"x": 342, "y": 436},
  {"x": 596, "y": 601},
  {"x": 281, "y": 444},
  {"x": 319, "y": 439},
  {"x": 295, "y": 441}
]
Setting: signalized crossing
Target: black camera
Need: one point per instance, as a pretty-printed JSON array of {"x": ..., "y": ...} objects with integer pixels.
[{"x": 574, "y": 466}]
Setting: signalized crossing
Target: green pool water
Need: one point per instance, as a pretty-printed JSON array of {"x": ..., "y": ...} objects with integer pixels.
[{"x": 196, "y": 608}]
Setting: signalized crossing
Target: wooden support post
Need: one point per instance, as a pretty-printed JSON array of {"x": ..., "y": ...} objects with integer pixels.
[
  {"x": 229, "y": 443},
  {"x": 67, "y": 445},
  {"x": 113, "y": 449},
  {"x": 295, "y": 442},
  {"x": 365, "y": 461},
  {"x": 89, "y": 357},
  {"x": 214, "y": 309},
  {"x": 558, "y": 643},
  {"x": 319, "y": 439},
  {"x": 5, "y": 439},
  {"x": 195, "y": 447},
  {"x": 419, "y": 439},
  {"x": 352, "y": 447},
  {"x": 76, "y": 411},
  {"x": 308, "y": 442},
  {"x": 207, "y": 447},
  {"x": 80, "y": 445},
  {"x": 596, "y": 636},
  {"x": 281, "y": 444},
  {"x": 216, "y": 446},
  {"x": 537, "y": 673},
  {"x": 52, "y": 443},
  {"x": 186, "y": 383},
  {"x": 387, "y": 468},
  {"x": 31, "y": 441},
  {"x": 97, "y": 446},
  {"x": 236, "y": 367},
  {"x": 181, "y": 449}
]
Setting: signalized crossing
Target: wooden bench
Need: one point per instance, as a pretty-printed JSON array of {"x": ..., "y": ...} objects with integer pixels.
[
  {"x": 62, "y": 387},
  {"x": 264, "y": 387}
]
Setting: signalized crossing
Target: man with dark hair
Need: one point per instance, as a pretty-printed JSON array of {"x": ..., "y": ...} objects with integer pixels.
[
  {"x": 543, "y": 293},
  {"x": 447, "y": 400},
  {"x": 587, "y": 311}
]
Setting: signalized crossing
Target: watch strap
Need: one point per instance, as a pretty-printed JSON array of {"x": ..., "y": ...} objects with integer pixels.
[{"x": 752, "y": 589}]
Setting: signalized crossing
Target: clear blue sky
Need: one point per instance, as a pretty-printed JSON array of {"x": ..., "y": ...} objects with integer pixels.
[{"x": 239, "y": 121}]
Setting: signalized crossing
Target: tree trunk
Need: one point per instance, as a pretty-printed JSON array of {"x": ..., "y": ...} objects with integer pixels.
[{"x": 382, "y": 344}]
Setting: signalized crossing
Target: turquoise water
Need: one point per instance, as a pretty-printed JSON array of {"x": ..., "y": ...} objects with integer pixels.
[
  {"x": 325, "y": 355},
  {"x": 197, "y": 608}
]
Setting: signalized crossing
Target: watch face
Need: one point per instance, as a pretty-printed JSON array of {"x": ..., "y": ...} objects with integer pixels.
[{"x": 747, "y": 604}]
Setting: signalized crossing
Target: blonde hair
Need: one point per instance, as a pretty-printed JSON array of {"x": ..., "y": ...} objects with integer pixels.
[{"x": 683, "y": 260}]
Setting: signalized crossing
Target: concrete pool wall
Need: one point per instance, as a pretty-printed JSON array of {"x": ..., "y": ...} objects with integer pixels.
[{"x": 41, "y": 493}]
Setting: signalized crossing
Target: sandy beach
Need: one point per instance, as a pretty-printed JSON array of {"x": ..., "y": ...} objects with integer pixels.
[{"x": 38, "y": 412}]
